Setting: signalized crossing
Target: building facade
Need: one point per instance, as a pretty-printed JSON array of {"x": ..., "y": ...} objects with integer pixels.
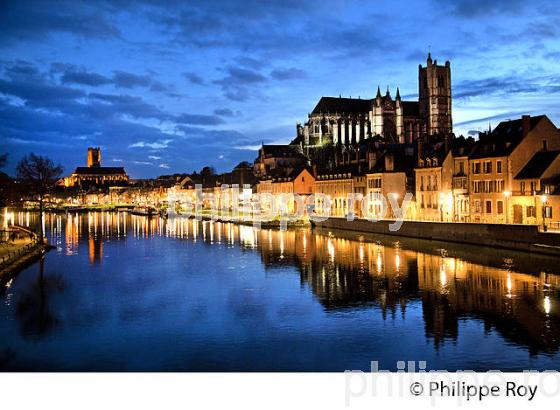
[
  {"x": 95, "y": 175},
  {"x": 348, "y": 121}
]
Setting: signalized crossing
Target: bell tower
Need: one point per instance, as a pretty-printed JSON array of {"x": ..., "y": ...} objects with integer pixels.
[
  {"x": 434, "y": 90},
  {"x": 94, "y": 157}
]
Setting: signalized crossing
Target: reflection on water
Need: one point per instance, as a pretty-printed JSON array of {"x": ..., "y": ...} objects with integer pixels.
[{"x": 203, "y": 290}]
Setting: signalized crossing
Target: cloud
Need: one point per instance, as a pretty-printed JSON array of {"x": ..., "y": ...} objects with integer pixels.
[
  {"x": 37, "y": 19},
  {"x": 198, "y": 119},
  {"x": 194, "y": 78},
  {"x": 134, "y": 106},
  {"x": 507, "y": 85},
  {"x": 481, "y": 8},
  {"x": 287, "y": 74},
  {"x": 239, "y": 82},
  {"x": 226, "y": 112},
  {"x": 164, "y": 166},
  {"x": 72, "y": 74},
  {"x": 124, "y": 79},
  {"x": 158, "y": 145}
]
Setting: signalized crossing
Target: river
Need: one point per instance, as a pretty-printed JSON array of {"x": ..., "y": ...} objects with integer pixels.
[{"x": 127, "y": 293}]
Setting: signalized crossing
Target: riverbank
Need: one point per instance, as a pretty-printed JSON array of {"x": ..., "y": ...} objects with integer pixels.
[
  {"x": 17, "y": 254},
  {"x": 82, "y": 208},
  {"x": 526, "y": 238}
]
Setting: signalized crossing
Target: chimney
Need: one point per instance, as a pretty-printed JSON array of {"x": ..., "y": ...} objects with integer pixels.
[
  {"x": 446, "y": 142},
  {"x": 526, "y": 124}
]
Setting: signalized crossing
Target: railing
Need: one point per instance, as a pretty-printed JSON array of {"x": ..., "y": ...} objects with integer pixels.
[{"x": 9, "y": 256}]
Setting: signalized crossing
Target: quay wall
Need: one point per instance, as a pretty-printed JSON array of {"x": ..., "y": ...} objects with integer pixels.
[{"x": 518, "y": 237}]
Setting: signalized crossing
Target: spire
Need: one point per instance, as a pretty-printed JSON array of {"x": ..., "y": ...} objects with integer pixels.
[
  {"x": 429, "y": 60},
  {"x": 378, "y": 92},
  {"x": 398, "y": 97},
  {"x": 388, "y": 94}
]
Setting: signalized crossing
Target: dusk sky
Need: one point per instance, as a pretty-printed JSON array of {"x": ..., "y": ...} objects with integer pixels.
[{"x": 173, "y": 86}]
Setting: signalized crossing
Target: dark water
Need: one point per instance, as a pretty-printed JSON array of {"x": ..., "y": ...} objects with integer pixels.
[{"x": 124, "y": 293}]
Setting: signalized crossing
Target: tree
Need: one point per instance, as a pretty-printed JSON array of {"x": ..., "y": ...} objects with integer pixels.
[
  {"x": 38, "y": 174},
  {"x": 207, "y": 172}
]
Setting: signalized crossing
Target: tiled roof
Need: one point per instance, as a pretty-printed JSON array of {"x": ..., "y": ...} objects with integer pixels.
[
  {"x": 537, "y": 165},
  {"x": 503, "y": 139},
  {"x": 342, "y": 105},
  {"x": 411, "y": 108}
]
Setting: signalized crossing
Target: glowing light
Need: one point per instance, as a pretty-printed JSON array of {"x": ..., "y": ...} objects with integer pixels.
[
  {"x": 509, "y": 285},
  {"x": 546, "y": 305},
  {"x": 507, "y": 194},
  {"x": 543, "y": 198},
  {"x": 443, "y": 276},
  {"x": 330, "y": 249}
]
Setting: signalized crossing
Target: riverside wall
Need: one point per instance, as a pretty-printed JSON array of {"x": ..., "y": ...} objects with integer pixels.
[{"x": 518, "y": 237}]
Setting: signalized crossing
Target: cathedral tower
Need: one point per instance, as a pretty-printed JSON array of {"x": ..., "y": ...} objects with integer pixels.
[
  {"x": 94, "y": 157},
  {"x": 434, "y": 83}
]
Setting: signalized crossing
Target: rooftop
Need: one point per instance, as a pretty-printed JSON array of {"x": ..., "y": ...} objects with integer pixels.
[
  {"x": 99, "y": 171},
  {"x": 537, "y": 165}
]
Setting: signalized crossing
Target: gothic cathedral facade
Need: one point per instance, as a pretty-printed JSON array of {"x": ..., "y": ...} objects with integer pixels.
[{"x": 348, "y": 121}]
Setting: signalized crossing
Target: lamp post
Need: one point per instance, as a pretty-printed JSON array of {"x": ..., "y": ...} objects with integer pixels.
[
  {"x": 507, "y": 194},
  {"x": 543, "y": 200}
]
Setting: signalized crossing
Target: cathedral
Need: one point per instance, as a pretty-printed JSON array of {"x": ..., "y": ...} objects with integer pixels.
[{"x": 349, "y": 121}]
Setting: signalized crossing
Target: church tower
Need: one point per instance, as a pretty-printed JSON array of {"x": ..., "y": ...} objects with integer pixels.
[
  {"x": 434, "y": 91},
  {"x": 94, "y": 157}
]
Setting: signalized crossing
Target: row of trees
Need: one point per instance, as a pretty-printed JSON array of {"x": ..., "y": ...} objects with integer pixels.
[{"x": 36, "y": 175}]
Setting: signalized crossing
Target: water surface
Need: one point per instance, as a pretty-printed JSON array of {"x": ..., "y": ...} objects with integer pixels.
[{"x": 122, "y": 292}]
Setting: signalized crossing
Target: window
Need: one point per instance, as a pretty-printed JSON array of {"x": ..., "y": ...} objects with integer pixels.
[
  {"x": 461, "y": 168},
  {"x": 533, "y": 186},
  {"x": 499, "y": 167},
  {"x": 522, "y": 187},
  {"x": 488, "y": 167},
  {"x": 477, "y": 206},
  {"x": 476, "y": 167},
  {"x": 302, "y": 179},
  {"x": 488, "y": 207},
  {"x": 531, "y": 212},
  {"x": 548, "y": 212},
  {"x": 500, "y": 207},
  {"x": 500, "y": 183}
]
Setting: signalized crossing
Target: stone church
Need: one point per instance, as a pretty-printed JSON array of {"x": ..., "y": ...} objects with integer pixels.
[{"x": 348, "y": 121}]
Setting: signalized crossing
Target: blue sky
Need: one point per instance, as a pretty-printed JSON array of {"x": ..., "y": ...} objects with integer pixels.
[{"x": 170, "y": 86}]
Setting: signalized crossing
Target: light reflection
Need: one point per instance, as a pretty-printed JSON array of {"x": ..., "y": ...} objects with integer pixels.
[{"x": 546, "y": 305}]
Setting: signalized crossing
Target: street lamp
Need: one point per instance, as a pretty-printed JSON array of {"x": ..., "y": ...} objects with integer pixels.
[
  {"x": 507, "y": 194},
  {"x": 543, "y": 199}
]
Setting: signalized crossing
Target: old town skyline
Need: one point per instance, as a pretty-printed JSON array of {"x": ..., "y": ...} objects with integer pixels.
[{"x": 165, "y": 109}]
